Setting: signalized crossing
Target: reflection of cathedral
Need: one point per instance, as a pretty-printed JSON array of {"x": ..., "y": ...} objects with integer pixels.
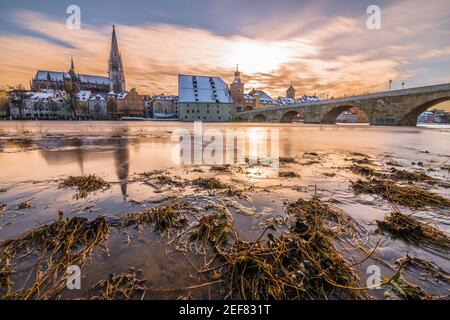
[{"x": 98, "y": 84}]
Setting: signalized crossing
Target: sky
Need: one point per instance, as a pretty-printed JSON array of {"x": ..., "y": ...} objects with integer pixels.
[{"x": 322, "y": 47}]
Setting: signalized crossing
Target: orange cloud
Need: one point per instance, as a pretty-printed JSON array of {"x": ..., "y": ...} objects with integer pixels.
[{"x": 154, "y": 55}]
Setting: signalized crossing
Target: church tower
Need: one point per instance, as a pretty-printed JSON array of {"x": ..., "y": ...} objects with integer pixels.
[
  {"x": 237, "y": 89},
  {"x": 290, "y": 93},
  {"x": 115, "y": 70}
]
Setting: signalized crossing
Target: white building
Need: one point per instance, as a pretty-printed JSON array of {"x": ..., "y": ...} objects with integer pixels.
[
  {"x": 97, "y": 107},
  {"x": 203, "y": 98}
]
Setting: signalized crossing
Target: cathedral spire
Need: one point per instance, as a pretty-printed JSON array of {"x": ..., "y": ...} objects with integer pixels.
[{"x": 115, "y": 69}]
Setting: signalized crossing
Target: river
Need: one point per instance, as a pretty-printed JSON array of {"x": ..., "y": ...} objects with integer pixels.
[{"x": 35, "y": 155}]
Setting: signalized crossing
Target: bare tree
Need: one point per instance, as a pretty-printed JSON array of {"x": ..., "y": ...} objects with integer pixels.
[
  {"x": 18, "y": 97},
  {"x": 70, "y": 98}
]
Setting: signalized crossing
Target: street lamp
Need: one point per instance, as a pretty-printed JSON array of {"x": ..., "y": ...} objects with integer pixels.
[
  {"x": 403, "y": 85},
  {"x": 390, "y": 84}
]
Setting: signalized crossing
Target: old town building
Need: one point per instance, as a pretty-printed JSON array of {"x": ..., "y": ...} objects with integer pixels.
[{"x": 203, "y": 98}]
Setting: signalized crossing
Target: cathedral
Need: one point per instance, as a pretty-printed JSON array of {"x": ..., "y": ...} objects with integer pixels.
[{"x": 115, "y": 82}]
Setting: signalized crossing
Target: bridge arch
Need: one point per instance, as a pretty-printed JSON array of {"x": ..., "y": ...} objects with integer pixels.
[
  {"x": 331, "y": 116},
  {"x": 259, "y": 118},
  {"x": 410, "y": 119},
  {"x": 289, "y": 116},
  {"x": 248, "y": 108}
]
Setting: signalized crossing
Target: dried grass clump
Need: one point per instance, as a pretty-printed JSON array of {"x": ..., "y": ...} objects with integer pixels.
[
  {"x": 212, "y": 229},
  {"x": 209, "y": 183},
  {"x": 412, "y": 230},
  {"x": 301, "y": 264},
  {"x": 287, "y": 174},
  {"x": 84, "y": 184},
  {"x": 415, "y": 176},
  {"x": 119, "y": 287},
  {"x": 161, "y": 178},
  {"x": 364, "y": 171},
  {"x": 410, "y": 196},
  {"x": 287, "y": 160},
  {"x": 225, "y": 169},
  {"x": 55, "y": 247},
  {"x": 424, "y": 266},
  {"x": 164, "y": 218},
  {"x": 24, "y": 205}
]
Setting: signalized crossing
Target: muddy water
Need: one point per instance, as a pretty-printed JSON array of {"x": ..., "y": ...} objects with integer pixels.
[{"x": 35, "y": 155}]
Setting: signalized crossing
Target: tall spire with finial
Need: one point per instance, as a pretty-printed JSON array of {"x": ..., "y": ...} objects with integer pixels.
[{"x": 115, "y": 69}]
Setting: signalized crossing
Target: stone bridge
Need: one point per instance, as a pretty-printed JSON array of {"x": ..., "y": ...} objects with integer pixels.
[{"x": 397, "y": 107}]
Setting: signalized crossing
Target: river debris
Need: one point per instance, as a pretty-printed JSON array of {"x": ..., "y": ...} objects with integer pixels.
[
  {"x": 209, "y": 183},
  {"x": 287, "y": 174},
  {"x": 300, "y": 264},
  {"x": 413, "y": 231},
  {"x": 410, "y": 196},
  {"x": 415, "y": 176},
  {"x": 161, "y": 178},
  {"x": 24, "y": 205},
  {"x": 84, "y": 184},
  {"x": 287, "y": 160},
  {"x": 224, "y": 169},
  {"x": 424, "y": 267},
  {"x": 164, "y": 217},
  {"x": 55, "y": 247},
  {"x": 123, "y": 286},
  {"x": 363, "y": 170},
  {"x": 212, "y": 229},
  {"x": 398, "y": 288}
]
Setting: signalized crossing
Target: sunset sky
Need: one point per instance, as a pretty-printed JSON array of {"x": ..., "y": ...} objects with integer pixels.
[{"x": 323, "y": 47}]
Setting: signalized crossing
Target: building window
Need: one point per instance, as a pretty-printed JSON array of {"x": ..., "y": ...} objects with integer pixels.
[
  {"x": 187, "y": 111},
  {"x": 207, "y": 111},
  {"x": 217, "y": 111}
]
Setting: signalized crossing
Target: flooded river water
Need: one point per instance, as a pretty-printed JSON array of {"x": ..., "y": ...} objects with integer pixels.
[{"x": 35, "y": 156}]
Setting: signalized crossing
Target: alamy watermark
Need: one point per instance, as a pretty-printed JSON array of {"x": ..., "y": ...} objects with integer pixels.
[
  {"x": 374, "y": 20},
  {"x": 73, "y": 21},
  {"x": 230, "y": 146},
  {"x": 73, "y": 281}
]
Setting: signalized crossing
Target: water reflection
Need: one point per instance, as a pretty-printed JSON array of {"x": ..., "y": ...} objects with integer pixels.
[{"x": 122, "y": 163}]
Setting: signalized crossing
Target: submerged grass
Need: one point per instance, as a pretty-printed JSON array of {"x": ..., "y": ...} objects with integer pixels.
[
  {"x": 413, "y": 231},
  {"x": 55, "y": 247},
  {"x": 164, "y": 217},
  {"x": 410, "y": 196},
  {"x": 119, "y": 287},
  {"x": 300, "y": 264},
  {"x": 399, "y": 288},
  {"x": 287, "y": 174},
  {"x": 160, "y": 178},
  {"x": 209, "y": 183},
  {"x": 84, "y": 184}
]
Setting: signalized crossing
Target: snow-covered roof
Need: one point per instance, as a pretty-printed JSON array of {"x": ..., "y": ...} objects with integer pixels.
[
  {"x": 97, "y": 97},
  {"x": 60, "y": 76},
  {"x": 84, "y": 78},
  {"x": 203, "y": 89},
  {"x": 83, "y": 95},
  {"x": 286, "y": 101},
  {"x": 264, "y": 97},
  {"x": 163, "y": 97},
  {"x": 121, "y": 95},
  {"x": 306, "y": 99}
]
